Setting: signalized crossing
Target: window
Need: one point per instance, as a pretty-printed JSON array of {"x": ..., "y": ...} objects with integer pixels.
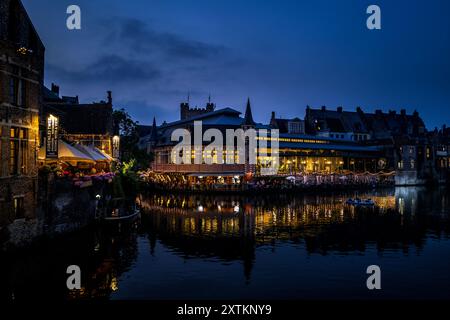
[
  {"x": 13, "y": 85},
  {"x": 428, "y": 153},
  {"x": 413, "y": 164},
  {"x": 19, "y": 211},
  {"x": 400, "y": 164},
  {"x": 18, "y": 151},
  {"x": 342, "y": 136},
  {"x": 17, "y": 90}
]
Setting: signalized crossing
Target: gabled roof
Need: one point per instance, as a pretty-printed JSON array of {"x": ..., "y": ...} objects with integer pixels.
[
  {"x": 225, "y": 111},
  {"x": 340, "y": 121}
]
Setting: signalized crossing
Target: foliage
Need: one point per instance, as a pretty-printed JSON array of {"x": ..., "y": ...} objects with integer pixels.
[
  {"x": 128, "y": 178},
  {"x": 129, "y": 138}
]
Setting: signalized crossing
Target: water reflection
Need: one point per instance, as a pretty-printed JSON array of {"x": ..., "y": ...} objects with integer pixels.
[{"x": 182, "y": 244}]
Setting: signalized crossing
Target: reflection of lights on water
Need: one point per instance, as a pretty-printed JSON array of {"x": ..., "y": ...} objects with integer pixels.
[
  {"x": 401, "y": 205},
  {"x": 114, "y": 284},
  {"x": 236, "y": 208},
  {"x": 219, "y": 207}
]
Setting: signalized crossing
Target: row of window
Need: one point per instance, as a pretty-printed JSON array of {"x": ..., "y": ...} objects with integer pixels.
[
  {"x": 337, "y": 136},
  {"x": 360, "y": 137},
  {"x": 401, "y": 164}
]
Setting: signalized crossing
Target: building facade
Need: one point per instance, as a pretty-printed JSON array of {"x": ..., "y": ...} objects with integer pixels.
[
  {"x": 21, "y": 80},
  {"x": 87, "y": 124},
  {"x": 299, "y": 153}
]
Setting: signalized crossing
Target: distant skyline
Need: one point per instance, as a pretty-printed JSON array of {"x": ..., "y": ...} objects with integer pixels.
[{"x": 284, "y": 55}]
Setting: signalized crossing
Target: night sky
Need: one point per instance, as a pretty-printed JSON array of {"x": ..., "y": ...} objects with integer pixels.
[{"x": 284, "y": 55}]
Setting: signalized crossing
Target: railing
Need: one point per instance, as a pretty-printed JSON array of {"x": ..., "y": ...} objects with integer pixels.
[{"x": 198, "y": 168}]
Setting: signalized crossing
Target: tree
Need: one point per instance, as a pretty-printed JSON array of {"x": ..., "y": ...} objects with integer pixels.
[{"x": 129, "y": 138}]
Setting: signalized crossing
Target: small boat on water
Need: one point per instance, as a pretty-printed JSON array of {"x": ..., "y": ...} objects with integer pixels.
[
  {"x": 360, "y": 202},
  {"x": 119, "y": 217},
  {"x": 119, "y": 210}
]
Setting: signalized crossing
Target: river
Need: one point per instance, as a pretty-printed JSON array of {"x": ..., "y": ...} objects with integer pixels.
[{"x": 280, "y": 246}]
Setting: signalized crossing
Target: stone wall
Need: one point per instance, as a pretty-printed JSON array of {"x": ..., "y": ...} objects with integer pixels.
[{"x": 61, "y": 208}]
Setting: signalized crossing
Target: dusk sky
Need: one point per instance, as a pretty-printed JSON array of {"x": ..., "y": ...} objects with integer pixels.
[{"x": 284, "y": 55}]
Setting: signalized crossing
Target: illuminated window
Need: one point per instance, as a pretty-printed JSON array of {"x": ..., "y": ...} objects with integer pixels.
[
  {"x": 413, "y": 164},
  {"x": 428, "y": 153},
  {"x": 400, "y": 164},
  {"x": 18, "y": 151}
]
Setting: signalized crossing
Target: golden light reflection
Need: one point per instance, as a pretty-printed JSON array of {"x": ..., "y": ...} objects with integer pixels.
[{"x": 233, "y": 217}]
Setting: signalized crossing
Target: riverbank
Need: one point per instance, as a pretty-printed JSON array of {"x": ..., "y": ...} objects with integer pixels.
[{"x": 266, "y": 184}]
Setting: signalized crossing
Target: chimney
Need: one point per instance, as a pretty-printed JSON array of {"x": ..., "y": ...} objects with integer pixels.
[
  {"x": 403, "y": 112},
  {"x": 358, "y": 109},
  {"x": 415, "y": 113},
  {"x": 339, "y": 109},
  {"x": 109, "y": 95},
  {"x": 324, "y": 108},
  {"x": 273, "y": 115},
  {"x": 55, "y": 89}
]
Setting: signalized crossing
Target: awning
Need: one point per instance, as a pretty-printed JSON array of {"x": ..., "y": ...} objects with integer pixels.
[
  {"x": 104, "y": 154},
  {"x": 66, "y": 153},
  {"x": 92, "y": 152}
]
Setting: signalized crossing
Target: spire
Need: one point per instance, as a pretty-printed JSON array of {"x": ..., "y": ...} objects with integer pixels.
[
  {"x": 248, "y": 119},
  {"x": 154, "y": 134}
]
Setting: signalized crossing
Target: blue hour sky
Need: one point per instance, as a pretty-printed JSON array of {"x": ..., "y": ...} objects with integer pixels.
[{"x": 282, "y": 54}]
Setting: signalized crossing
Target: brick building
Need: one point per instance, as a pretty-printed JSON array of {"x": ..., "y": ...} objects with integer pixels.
[
  {"x": 21, "y": 80},
  {"x": 88, "y": 124}
]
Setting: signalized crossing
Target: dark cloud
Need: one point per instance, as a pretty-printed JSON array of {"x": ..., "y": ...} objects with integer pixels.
[
  {"x": 110, "y": 69},
  {"x": 140, "y": 37},
  {"x": 144, "y": 111}
]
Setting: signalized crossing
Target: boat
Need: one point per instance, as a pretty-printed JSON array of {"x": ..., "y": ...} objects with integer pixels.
[
  {"x": 120, "y": 210},
  {"x": 122, "y": 217},
  {"x": 360, "y": 202}
]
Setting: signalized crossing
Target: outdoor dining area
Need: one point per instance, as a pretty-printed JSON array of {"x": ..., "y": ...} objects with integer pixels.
[
  {"x": 81, "y": 163},
  {"x": 248, "y": 182}
]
